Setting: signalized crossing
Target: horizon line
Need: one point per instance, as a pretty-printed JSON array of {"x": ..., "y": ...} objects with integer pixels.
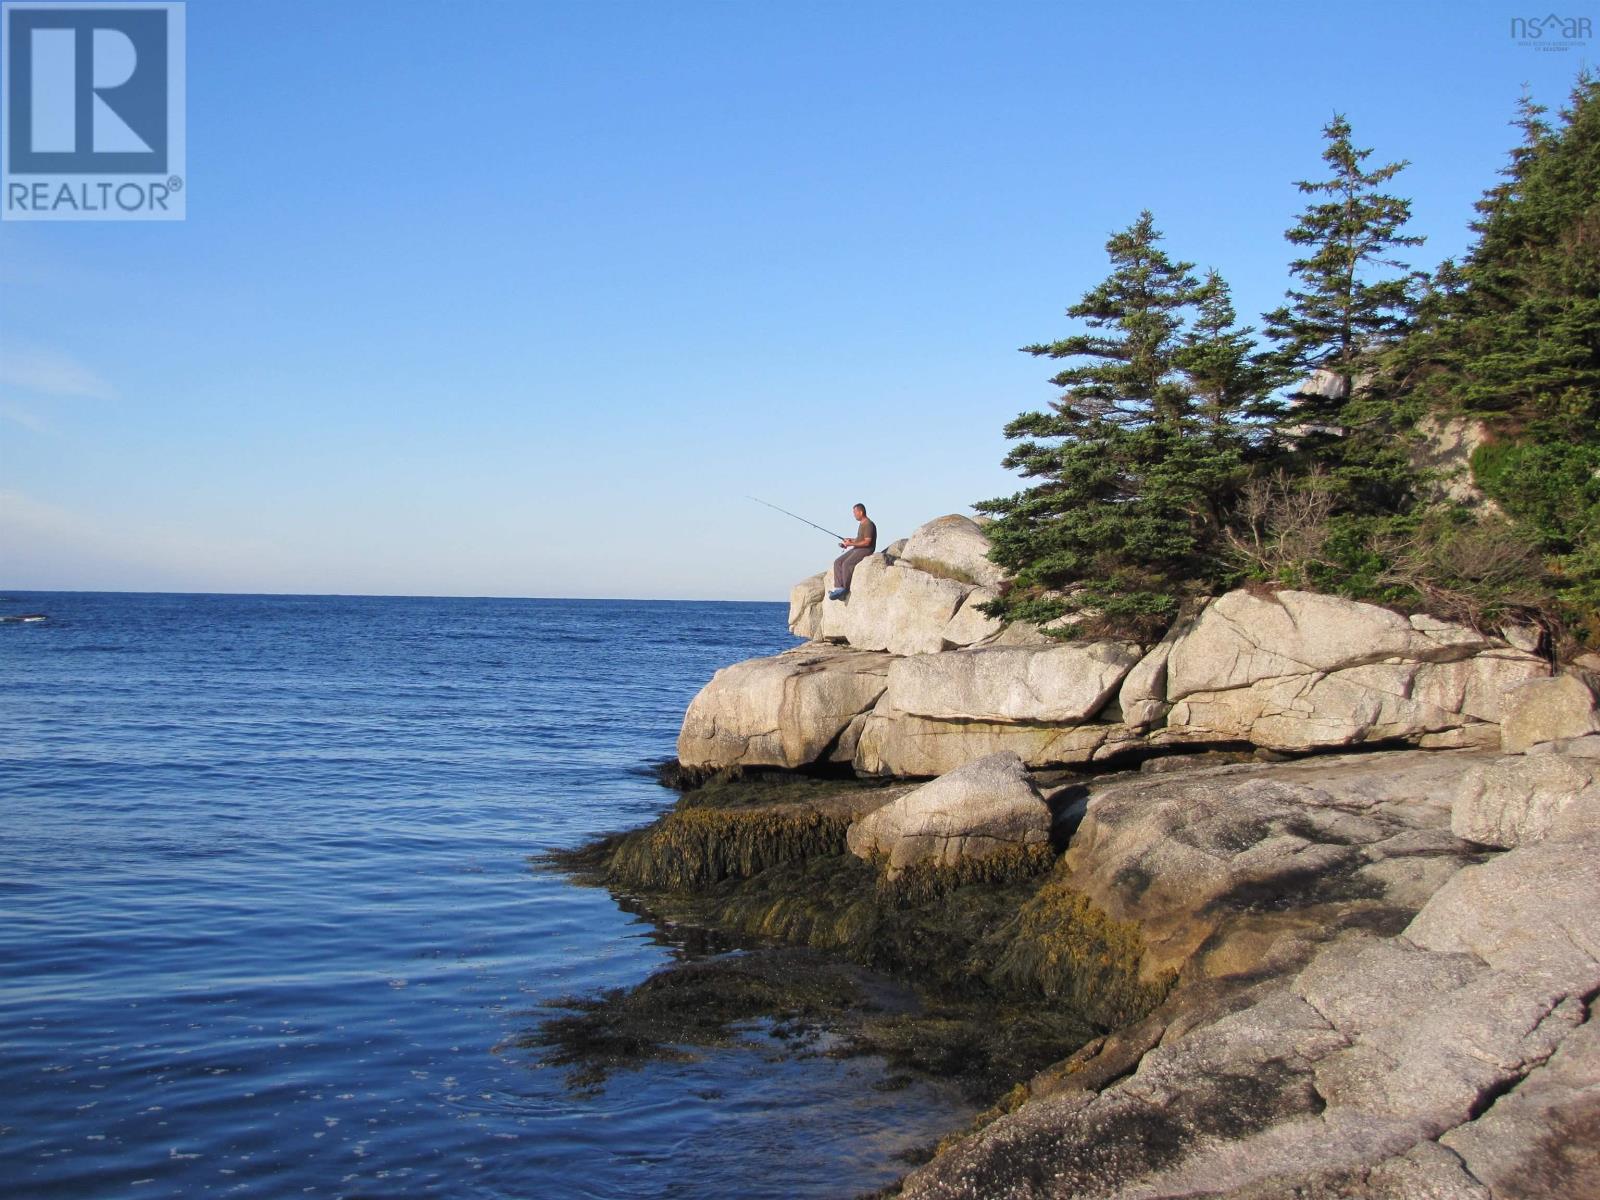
[{"x": 373, "y": 596}]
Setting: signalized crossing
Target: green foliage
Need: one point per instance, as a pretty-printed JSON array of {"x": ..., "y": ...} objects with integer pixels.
[
  {"x": 1552, "y": 490},
  {"x": 1553, "y": 487},
  {"x": 1165, "y": 469},
  {"x": 1517, "y": 336},
  {"x": 1135, "y": 316},
  {"x": 1138, "y": 456},
  {"x": 1347, "y": 309},
  {"x": 1512, "y": 336},
  {"x": 1338, "y": 314},
  {"x": 1226, "y": 377}
]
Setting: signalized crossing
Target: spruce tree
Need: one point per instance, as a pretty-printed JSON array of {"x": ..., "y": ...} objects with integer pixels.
[
  {"x": 1524, "y": 338},
  {"x": 1516, "y": 341},
  {"x": 1449, "y": 329},
  {"x": 1228, "y": 379},
  {"x": 1128, "y": 498},
  {"x": 1340, "y": 315},
  {"x": 1346, "y": 311}
]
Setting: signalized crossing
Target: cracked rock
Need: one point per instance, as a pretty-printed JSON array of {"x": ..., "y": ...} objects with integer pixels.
[{"x": 784, "y": 711}]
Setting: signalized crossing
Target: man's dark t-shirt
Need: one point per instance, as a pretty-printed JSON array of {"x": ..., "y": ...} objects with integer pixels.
[{"x": 869, "y": 531}]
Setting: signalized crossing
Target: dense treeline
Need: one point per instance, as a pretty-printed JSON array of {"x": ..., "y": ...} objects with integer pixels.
[{"x": 1187, "y": 454}]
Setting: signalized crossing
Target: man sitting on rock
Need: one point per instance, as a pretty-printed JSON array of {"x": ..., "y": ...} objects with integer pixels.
[{"x": 860, "y": 546}]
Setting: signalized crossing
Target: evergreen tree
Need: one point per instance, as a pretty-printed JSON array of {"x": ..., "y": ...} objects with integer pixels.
[
  {"x": 1500, "y": 223},
  {"x": 1228, "y": 379},
  {"x": 1339, "y": 315},
  {"x": 1516, "y": 340},
  {"x": 1141, "y": 302},
  {"x": 1345, "y": 311},
  {"x": 1461, "y": 310},
  {"x": 1523, "y": 336},
  {"x": 1131, "y": 479}
]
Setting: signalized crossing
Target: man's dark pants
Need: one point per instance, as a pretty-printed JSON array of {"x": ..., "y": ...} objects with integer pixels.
[{"x": 845, "y": 565}]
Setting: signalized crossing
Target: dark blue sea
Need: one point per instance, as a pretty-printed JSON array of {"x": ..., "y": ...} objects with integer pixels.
[{"x": 268, "y": 926}]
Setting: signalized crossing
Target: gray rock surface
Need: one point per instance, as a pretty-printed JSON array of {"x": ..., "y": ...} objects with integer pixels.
[
  {"x": 1217, "y": 864},
  {"x": 805, "y": 606},
  {"x": 954, "y": 547},
  {"x": 1547, "y": 710},
  {"x": 986, "y": 807},
  {"x": 1023, "y": 633},
  {"x": 1243, "y": 639},
  {"x": 1143, "y": 696},
  {"x": 788, "y": 710},
  {"x": 1444, "y": 449},
  {"x": 1288, "y": 671},
  {"x": 1541, "y": 1139},
  {"x": 1532, "y": 911},
  {"x": 1451, "y": 704},
  {"x": 1453, "y": 1057},
  {"x": 834, "y": 623},
  {"x": 1323, "y": 384},
  {"x": 895, "y": 607},
  {"x": 1300, "y": 671},
  {"x": 898, "y": 608},
  {"x": 1527, "y": 797},
  {"x": 1067, "y": 683},
  {"x": 969, "y": 626},
  {"x": 899, "y": 743}
]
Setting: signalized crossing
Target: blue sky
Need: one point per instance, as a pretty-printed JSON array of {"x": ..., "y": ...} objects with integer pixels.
[{"x": 519, "y": 297}]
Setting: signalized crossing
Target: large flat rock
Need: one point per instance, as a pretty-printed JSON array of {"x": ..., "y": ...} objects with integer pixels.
[
  {"x": 1301, "y": 671},
  {"x": 1243, "y": 638},
  {"x": 1451, "y": 703},
  {"x": 1067, "y": 683},
  {"x": 1215, "y": 864}
]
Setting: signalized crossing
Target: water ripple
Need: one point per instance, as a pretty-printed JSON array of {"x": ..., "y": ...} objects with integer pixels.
[{"x": 266, "y": 923}]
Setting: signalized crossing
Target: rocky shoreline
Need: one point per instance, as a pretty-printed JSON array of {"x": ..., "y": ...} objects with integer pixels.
[{"x": 1303, "y": 900}]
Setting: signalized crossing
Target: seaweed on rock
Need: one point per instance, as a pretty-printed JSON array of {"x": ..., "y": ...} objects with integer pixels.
[
  {"x": 1013, "y": 970},
  {"x": 689, "y": 1006},
  {"x": 1074, "y": 953},
  {"x": 697, "y": 846}
]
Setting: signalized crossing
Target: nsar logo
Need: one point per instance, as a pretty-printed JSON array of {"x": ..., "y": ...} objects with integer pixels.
[
  {"x": 1552, "y": 31},
  {"x": 92, "y": 126}
]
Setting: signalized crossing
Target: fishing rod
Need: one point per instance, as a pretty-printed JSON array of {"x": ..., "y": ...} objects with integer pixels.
[{"x": 801, "y": 519}]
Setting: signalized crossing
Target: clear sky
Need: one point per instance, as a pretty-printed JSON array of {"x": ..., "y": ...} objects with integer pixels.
[{"x": 522, "y": 297}]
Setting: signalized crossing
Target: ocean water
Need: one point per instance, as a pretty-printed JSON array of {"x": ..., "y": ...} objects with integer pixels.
[{"x": 268, "y": 928}]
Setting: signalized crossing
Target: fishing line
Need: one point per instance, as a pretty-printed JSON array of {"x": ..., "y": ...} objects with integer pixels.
[{"x": 799, "y": 518}]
